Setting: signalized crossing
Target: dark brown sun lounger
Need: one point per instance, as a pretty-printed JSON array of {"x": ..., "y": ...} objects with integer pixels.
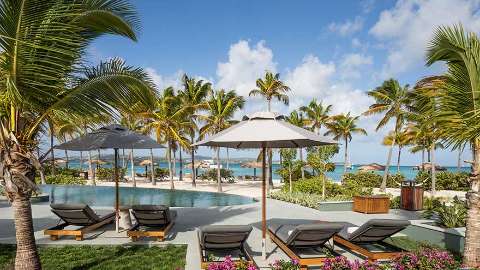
[
  {"x": 76, "y": 215},
  {"x": 305, "y": 242},
  {"x": 222, "y": 240},
  {"x": 368, "y": 239},
  {"x": 151, "y": 221}
]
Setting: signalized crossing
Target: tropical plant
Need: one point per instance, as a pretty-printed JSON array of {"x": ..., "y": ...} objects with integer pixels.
[
  {"x": 343, "y": 126},
  {"x": 271, "y": 87},
  {"x": 295, "y": 118},
  {"x": 391, "y": 99},
  {"x": 319, "y": 159},
  {"x": 133, "y": 123},
  {"x": 289, "y": 163},
  {"x": 42, "y": 45},
  {"x": 221, "y": 107},
  {"x": 403, "y": 138},
  {"x": 285, "y": 265},
  {"x": 193, "y": 96},
  {"x": 316, "y": 115},
  {"x": 168, "y": 120},
  {"x": 445, "y": 180},
  {"x": 459, "y": 117},
  {"x": 425, "y": 259}
]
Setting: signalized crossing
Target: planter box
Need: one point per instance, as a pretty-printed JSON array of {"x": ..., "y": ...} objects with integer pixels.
[
  {"x": 452, "y": 239},
  {"x": 371, "y": 204},
  {"x": 335, "y": 206}
]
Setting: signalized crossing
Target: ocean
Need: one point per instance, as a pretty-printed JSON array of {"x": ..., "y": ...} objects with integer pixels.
[{"x": 407, "y": 171}]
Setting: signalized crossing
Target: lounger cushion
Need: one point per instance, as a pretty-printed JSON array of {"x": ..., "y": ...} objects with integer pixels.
[
  {"x": 375, "y": 230},
  {"x": 75, "y": 214},
  {"x": 223, "y": 236},
  {"x": 153, "y": 215},
  {"x": 306, "y": 235}
]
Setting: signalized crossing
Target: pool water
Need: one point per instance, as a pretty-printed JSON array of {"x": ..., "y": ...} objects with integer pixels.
[{"x": 101, "y": 196}]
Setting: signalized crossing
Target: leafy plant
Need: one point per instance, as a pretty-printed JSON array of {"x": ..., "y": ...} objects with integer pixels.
[
  {"x": 62, "y": 179},
  {"x": 229, "y": 264},
  {"x": 372, "y": 179},
  {"x": 211, "y": 174},
  {"x": 285, "y": 265},
  {"x": 444, "y": 180},
  {"x": 161, "y": 173},
  {"x": 450, "y": 215},
  {"x": 304, "y": 199},
  {"x": 395, "y": 202},
  {"x": 425, "y": 259},
  {"x": 108, "y": 174}
]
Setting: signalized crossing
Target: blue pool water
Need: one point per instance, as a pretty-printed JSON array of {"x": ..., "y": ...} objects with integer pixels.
[{"x": 105, "y": 196}]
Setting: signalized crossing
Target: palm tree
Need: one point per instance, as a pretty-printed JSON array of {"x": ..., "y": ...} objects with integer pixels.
[
  {"x": 297, "y": 119},
  {"x": 402, "y": 139},
  {"x": 391, "y": 99},
  {"x": 271, "y": 87},
  {"x": 344, "y": 126},
  {"x": 316, "y": 115},
  {"x": 221, "y": 107},
  {"x": 169, "y": 122},
  {"x": 134, "y": 123},
  {"x": 43, "y": 43},
  {"x": 193, "y": 96},
  {"x": 65, "y": 129},
  {"x": 458, "y": 114}
]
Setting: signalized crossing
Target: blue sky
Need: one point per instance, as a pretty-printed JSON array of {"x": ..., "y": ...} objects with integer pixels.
[{"x": 331, "y": 50}]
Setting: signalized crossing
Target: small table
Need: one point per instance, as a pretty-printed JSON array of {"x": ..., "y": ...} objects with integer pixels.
[
  {"x": 125, "y": 221},
  {"x": 371, "y": 204}
]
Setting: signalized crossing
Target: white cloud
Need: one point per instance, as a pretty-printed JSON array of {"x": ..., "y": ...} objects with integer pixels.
[
  {"x": 356, "y": 43},
  {"x": 353, "y": 63},
  {"x": 367, "y": 5},
  {"x": 245, "y": 64},
  {"x": 409, "y": 25},
  {"x": 162, "y": 81},
  {"x": 348, "y": 27}
]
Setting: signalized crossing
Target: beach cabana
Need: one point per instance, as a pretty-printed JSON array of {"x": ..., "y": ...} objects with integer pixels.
[
  {"x": 264, "y": 130},
  {"x": 111, "y": 137}
]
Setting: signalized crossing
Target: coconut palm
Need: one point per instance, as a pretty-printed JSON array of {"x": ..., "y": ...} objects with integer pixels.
[
  {"x": 316, "y": 115},
  {"x": 168, "y": 120},
  {"x": 134, "y": 123},
  {"x": 459, "y": 117},
  {"x": 43, "y": 43},
  {"x": 295, "y": 118},
  {"x": 221, "y": 107},
  {"x": 193, "y": 96},
  {"x": 344, "y": 126},
  {"x": 391, "y": 100},
  {"x": 271, "y": 87},
  {"x": 403, "y": 138},
  {"x": 66, "y": 129}
]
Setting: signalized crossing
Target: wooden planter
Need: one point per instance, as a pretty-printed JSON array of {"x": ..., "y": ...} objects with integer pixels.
[{"x": 371, "y": 204}]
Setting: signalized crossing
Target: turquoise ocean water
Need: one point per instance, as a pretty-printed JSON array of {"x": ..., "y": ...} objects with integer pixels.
[{"x": 336, "y": 175}]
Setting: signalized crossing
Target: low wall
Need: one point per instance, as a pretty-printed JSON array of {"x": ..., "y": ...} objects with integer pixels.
[{"x": 452, "y": 239}]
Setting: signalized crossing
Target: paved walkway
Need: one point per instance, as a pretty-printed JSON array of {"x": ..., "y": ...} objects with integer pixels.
[{"x": 189, "y": 219}]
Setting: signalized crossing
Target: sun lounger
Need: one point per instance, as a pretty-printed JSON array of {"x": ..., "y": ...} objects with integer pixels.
[
  {"x": 367, "y": 240},
  {"x": 304, "y": 242},
  {"x": 76, "y": 215},
  {"x": 221, "y": 240},
  {"x": 151, "y": 221}
]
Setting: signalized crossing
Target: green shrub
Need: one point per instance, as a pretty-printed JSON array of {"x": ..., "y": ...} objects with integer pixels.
[
  {"x": 47, "y": 170},
  {"x": 304, "y": 199},
  {"x": 62, "y": 179},
  {"x": 296, "y": 174},
  {"x": 372, "y": 179},
  {"x": 108, "y": 174},
  {"x": 332, "y": 190},
  {"x": 444, "y": 180},
  {"x": 211, "y": 174},
  {"x": 395, "y": 202},
  {"x": 450, "y": 215},
  {"x": 2, "y": 191},
  {"x": 161, "y": 173}
]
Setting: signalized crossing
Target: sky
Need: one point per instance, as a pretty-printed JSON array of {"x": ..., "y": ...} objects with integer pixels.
[{"x": 333, "y": 51}]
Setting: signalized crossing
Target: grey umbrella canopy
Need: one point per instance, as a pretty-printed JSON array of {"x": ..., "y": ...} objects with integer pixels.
[
  {"x": 265, "y": 130},
  {"x": 112, "y": 136}
]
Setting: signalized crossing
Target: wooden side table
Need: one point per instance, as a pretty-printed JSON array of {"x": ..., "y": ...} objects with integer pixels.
[{"x": 371, "y": 204}]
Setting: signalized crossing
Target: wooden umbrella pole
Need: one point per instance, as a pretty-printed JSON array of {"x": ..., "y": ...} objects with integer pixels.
[
  {"x": 264, "y": 208},
  {"x": 117, "y": 203}
]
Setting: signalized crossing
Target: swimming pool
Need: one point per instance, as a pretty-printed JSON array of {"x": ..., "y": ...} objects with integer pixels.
[{"x": 105, "y": 196}]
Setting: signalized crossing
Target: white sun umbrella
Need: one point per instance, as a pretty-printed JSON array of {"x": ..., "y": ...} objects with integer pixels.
[{"x": 264, "y": 130}]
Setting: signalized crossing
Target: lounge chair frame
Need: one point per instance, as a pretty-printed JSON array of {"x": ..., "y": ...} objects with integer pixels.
[
  {"x": 134, "y": 233},
  {"x": 58, "y": 230},
  {"x": 371, "y": 256},
  {"x": 304, "y": 262}
]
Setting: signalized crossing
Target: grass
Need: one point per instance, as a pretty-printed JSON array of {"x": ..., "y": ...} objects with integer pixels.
[{"x": 75, "y": 257}]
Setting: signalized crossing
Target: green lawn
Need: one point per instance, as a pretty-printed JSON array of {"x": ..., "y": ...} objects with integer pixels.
[{"x": 103, "y": 257}]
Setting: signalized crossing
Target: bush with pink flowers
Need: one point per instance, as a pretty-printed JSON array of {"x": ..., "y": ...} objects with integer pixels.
[
  {"x": 285, "y": 265},
  {"x": 229, "y": 264},
  {"x": 425, "y": 259},
  {"x": 342, "y": 263}
]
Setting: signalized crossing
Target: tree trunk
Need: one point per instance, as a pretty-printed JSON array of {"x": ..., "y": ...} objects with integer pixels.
[
  {"x": 180, "y": 176},
  {"x": 152, "y": 171},
  {"x": 228, "y": 160},
  {"x": 300, "y": 154},
  {"x": 174, "y": 162},
  {"x": 423, "y": 159},
  {"x": 434, "y": 177},
  {"x": 471, "y": 254},
  {"x": 270, "y": 169},
  {"x": 398, "y": 159},
  {"x": 81, "y": 161},
  {"x": 383, "y": 186},
  {"x": 323, "y": 187},
  {"x": 124, "y": 165},
  {"x": 194, "y": 172},
  {"x": 66, "y": 159},
  {"x": 132, "y": 168},
  {"x": 459, "y": 159},
  {"x": 90, "y": 168},
  {"x": 267, "y": 174},
  {"x": 428, "y": 156},
  {"x": 99, "y": 158},
  {"x": 53, "y": 152},
  {"x": 345, "y": 161},
  {"x": 219, "y": 177},
  {"x": 27, "y": 256},
  {"x": 290, "y": 176},
  {"x": 170, "y": 171}
]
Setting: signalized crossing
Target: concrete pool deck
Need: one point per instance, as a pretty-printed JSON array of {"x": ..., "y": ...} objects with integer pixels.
[{"x": 184, "y": 230}]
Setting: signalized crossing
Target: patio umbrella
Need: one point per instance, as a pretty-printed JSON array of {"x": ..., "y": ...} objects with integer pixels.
[
  {"x": 264, "y": 130},
  {"x": 111, "y": 137}
]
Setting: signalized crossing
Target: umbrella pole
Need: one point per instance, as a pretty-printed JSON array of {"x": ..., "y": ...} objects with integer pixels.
[
  {"x": 264, "y": 208},
  {"x": 117, "y": 217}
]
